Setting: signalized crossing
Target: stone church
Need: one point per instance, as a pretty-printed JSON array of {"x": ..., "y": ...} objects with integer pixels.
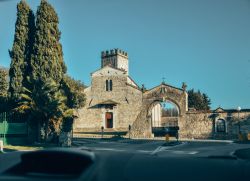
[{"x": 115, "y": 103}]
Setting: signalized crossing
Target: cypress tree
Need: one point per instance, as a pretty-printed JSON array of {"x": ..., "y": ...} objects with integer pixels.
[
  {"x": 47, "y": 59},
  {"x": 3, "y": 89},
  {"x": 3, "y": 82},
  {"x": 48, "y": 66},
  {"x": 21, "y": 51},
  {"x": 206, "y": 101}
]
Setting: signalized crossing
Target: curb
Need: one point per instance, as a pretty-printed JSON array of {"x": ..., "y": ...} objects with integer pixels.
[{"x": 207, "y": 140}]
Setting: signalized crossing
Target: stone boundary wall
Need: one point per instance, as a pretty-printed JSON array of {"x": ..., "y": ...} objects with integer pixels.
[
  {"x": 196, "y": 125},
  {"x": 202, "y": 125}
]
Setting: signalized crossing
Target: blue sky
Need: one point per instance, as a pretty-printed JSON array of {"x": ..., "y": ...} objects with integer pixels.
[{"x": 203, "y": 43}]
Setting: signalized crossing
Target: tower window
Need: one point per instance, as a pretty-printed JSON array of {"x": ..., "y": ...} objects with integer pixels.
[{"x": 109, "y": 85}]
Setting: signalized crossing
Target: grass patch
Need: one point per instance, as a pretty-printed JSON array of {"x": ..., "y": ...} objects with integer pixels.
[
  {"x": 31, "y": 147},
  {"x": 21, "y": 148}
]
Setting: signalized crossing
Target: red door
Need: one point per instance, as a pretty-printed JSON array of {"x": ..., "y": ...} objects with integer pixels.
[{"x": 109, "y": 120}]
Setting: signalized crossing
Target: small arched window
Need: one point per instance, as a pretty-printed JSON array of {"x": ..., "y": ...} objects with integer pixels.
[
  {"x": 109, "y": 85},
  {"x": 221, "y": 126}
]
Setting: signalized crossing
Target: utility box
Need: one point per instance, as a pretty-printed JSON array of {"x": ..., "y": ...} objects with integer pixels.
[
  {"x": 240, "y": 137},
  {"x": 248, "y": 136},
  {"x": 167, "y": 137},
  {"x": 1, "y": 145}
]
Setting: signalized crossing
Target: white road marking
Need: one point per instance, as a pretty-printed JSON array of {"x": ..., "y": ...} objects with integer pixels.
[
  {"x": 232, "y": 153},
  {"x": 184, "y": 152},
  {"x": 193, "y": 152},
  {"x": 163, "y": 148},
  {"x": 144, "y": 151},
  {"x": 158, "y": 149},
  {"x": 108, "y": 149}
]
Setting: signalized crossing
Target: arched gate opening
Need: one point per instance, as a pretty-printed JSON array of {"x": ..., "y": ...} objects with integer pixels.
[{"x": 164, "y": 118}]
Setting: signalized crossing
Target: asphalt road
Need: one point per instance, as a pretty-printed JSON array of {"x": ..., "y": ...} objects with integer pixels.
[
  {"x": 162, "y": 148},
  {"x": 157, "y": 160}
]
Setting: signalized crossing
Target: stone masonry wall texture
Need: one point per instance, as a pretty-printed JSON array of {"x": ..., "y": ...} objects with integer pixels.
[
  {"x": 133, "y": 106},
  {"x": 128, "y": 101}
]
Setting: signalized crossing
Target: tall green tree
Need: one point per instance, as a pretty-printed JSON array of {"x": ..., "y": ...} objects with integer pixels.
[
  {"x": 47, "y": 59},
  {"x": 3, "y": 82},
  {"x": 198, "y": 100},
  {"x": 22, "y": 49},
  {"x": 47, "y": 66},
  {"x": 74, "y": 91},
  {"x": 45, "y": 103},
  {"x": 51, "y": 96},
  {"x": 206, "y": 101},
  {"x": 51, "y": 106},
  {"x": 3, "y": 89}
]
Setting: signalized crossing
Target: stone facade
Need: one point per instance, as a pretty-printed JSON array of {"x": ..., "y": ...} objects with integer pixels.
[
  {"x": 114, "y": 101},
  {"x": 142, "y": 126},
  {"x": 205, "y": 124},
  {"x": 124, "y": 101}
]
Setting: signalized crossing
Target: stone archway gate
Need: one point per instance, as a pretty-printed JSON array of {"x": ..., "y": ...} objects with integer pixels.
[{"x": 142, "y": 127}]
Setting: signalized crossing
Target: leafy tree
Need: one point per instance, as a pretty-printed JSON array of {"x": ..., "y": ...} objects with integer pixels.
[
  {"x": 73, "y": 90},
  {"x": 47, "y": 66},
  {"x": 48, "y": 97},
  {"x": 206, "y": 101},
  {"x": 3, "y": 89},
  {"x": 52, "y": 107},
  {"x": 198, "y": 100},
  {"x": 21, "y": 50},
  {"x": 47, "y": 59},
  {"x": 45, "y": 103},
  {"x": 3, "y": 82}
]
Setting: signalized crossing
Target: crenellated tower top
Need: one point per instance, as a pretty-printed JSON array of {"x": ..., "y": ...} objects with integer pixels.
[{"x": 116, "y": 58}]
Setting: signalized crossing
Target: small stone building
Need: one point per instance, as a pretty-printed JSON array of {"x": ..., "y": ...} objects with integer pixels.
[{"x": 115, "y": 102}]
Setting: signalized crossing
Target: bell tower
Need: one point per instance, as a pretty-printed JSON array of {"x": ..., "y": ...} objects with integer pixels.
[{"x": 116, "y": 58}]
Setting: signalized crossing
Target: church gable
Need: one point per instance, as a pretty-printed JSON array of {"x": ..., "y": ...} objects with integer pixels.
[
  {"x": 164, "y": 88},
  {"x": 108, "y": 71},
  {"x": 130, "y": 81},
  {"x": 219, "y": 109}
]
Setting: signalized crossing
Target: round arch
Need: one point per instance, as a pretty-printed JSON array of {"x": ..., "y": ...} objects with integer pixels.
[
  {"x": 157, "y": 101},
  {"x": 220, "y": 125},
  {"x": 169, "y": 109},
  {"x": 162, "y": 117}
]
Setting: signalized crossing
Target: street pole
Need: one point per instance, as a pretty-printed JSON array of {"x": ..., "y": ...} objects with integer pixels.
[
  {"x": 239, "y": 109},
  {"x": 239, "y": 121},
  {"x": 4, "y": 128},
  {"x": 102, "y": 130},
  {"x": 129, "y": 129}
]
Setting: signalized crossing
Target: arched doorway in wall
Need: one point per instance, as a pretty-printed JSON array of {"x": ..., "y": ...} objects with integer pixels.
[
  {"x": 164, "y": 117},
  {"x": 220, "y": 126}
]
